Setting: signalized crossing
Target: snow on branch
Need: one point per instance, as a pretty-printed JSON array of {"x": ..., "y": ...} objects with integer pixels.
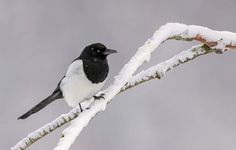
[
  {"x": 213, "y": 41},
  {"x": 158, "y": 71}
]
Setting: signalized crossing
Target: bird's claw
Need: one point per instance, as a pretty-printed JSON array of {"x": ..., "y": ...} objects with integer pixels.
[
  {"x": 99, "y": 97},
  {"x": 81, "y": 109}
]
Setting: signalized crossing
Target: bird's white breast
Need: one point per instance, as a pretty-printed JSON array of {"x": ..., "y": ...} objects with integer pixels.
[{"x": 76, "y": 86}]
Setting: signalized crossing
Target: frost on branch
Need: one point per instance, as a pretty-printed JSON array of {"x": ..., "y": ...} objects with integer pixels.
[
  {"x": 160, "y": 69},
  {"x": 213, "y": 41}
]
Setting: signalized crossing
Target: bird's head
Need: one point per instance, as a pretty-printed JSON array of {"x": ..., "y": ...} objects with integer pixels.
[{"x": 96, "y": 51}]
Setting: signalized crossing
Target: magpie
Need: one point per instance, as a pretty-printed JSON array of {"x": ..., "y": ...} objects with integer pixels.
[{"x": 85, "y": 76}]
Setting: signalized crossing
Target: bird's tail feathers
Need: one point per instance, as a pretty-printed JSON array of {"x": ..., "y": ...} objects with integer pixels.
[{"x": 55, "y": 95}]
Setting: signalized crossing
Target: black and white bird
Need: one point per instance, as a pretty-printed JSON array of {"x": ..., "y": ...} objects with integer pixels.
[{"x": 85, "y": 76}]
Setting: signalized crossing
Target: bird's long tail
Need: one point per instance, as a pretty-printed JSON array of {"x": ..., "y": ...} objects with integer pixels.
[{"x": 55, "y": 95}]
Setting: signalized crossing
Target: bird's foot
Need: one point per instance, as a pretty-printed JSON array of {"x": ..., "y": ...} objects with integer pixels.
[
  {"x": 99, "y": 97},
  {"x": 81, "y": 109}
]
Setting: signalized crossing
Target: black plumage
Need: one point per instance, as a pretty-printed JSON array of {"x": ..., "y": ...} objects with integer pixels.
[{"x": 56, "y": 94}]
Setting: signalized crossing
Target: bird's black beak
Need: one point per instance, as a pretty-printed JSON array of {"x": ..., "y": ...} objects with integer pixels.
[{"x": 109, "y": 51}]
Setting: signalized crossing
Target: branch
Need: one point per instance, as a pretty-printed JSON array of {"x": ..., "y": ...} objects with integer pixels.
[
  {"x": 154, "y": 72},
  {"x": 214, "y": 41},
  {"x": 218, "y": 42},
  {"x": 158, "y": 71}
]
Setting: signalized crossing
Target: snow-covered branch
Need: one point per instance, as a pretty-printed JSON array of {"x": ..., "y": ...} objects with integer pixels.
[
  {"x": 151, "y": 73},
  {"x": 158, "y": 71},
  {"x": 213, "y": 41},
  {"x": 218, "y": 42}
]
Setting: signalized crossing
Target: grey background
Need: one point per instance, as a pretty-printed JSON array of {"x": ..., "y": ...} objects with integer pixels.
[{"x": 191, "y": 108}]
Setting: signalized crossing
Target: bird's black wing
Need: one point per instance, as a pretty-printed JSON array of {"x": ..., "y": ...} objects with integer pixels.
[{"x": 57, "y": 94}]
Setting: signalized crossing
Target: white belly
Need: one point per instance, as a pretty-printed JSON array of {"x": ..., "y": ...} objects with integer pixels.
[{"x": 76, "y": 87}]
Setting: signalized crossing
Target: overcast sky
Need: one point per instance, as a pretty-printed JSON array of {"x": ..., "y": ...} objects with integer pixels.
[{"x": 192, "y": 108}]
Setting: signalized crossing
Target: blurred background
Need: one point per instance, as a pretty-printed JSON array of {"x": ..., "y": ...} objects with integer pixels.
[{"x": 191, "y": 108}]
